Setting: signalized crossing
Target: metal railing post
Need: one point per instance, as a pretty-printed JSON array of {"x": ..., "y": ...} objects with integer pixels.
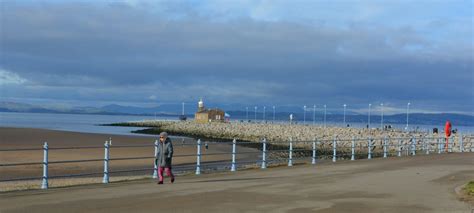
[
  {"x": 264, "y": 154},
  {"x": 450, "y": 144},
  {"x": 422, "y": 144},
  {"x": 290, "y": 157},
  {"x": 427, "y": 146},
  {"x": 313, "y": 159},
  {"x": 385, "y": 147},
  {"x": 439, "y": 145},
  {"x": 399, "y": 154},
  {"x": 198, "y": 158},
  {"x": 472, "y": 143},
  {"x": 353, "y": 148},
  {"x": 106, "y": 162},
  {"x": 232, "y": 168},
  {"x": 334, "y": 149},
  {"x": 369, "y": 147},
  {"x": 461, "y": 144},
  {"x": 155, "y": 163},
  {"x": 44, "y": 184}
]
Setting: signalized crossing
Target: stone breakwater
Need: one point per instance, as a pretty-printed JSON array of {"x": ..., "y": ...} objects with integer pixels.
[{"x": 275, "y": 133}]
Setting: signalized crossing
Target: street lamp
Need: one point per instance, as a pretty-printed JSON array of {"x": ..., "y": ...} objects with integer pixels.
[
  {"x": 255, "y": 114},
  {"x": 325, "y": 116},
  {"x": 264, "y": 108},
  {"x": 314, "y": 114},
  {"x": 304, "y": 115},
  {"x": 182, "y": 112},
  {"x": 381, "y": 117},
  {"x": 408, "y": 108},
  {"x": 247, "y": 110},
  {"x": 368, "y": 120},
  {"x": 344, "y": 115},
  {"x": 273, "y": 114}
]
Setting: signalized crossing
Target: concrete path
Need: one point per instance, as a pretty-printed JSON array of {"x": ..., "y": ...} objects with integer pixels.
[{"x": 408, "y": 184}]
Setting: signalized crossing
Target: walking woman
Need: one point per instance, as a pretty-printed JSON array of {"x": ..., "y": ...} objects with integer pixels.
[{"x": 164, "y": 156}]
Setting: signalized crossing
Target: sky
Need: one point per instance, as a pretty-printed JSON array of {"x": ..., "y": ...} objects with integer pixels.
[{"x": 244, "y": 53}]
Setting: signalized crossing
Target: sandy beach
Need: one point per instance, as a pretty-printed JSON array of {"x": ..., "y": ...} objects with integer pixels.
[{"x": 17, "y": 138}]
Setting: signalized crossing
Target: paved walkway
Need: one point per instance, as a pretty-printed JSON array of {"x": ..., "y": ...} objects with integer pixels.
[{"x": 408, "y": 184}]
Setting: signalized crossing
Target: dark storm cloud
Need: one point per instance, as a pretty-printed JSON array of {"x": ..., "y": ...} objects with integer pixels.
[{"x": 124, "y": 53}]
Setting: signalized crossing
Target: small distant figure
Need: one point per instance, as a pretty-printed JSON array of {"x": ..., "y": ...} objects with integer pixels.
[
  {"x": 435, "y": 130},
  {"x": 164, "y": 156},
  {"x": 206, "y": 145},
  {"x": 447, "y": 132}
]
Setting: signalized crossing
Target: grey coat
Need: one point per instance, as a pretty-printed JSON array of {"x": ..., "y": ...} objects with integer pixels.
[{"x": 164, "y": 154}]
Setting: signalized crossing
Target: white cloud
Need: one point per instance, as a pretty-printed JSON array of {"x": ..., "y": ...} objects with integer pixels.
[
  {"x": 8, "y": 77},
  {"x": 256, "y": 52}
]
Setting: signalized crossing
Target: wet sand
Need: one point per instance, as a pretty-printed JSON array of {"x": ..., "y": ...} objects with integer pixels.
[
  {"x": 15, "y": 138},
  {"x": 410, "y": 184}
]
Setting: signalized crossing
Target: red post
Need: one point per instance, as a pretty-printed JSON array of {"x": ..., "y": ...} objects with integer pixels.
[{"x": 447, "y": 132}]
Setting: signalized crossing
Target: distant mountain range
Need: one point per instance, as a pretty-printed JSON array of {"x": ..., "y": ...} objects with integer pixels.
[
  {"x": 113, "y": 109},
  {"x": 414, "y": 118},
  {"x": 175, "y": 109}
]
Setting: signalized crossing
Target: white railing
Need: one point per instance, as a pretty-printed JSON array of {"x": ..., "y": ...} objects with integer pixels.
[{"x": 265, "y": 153}]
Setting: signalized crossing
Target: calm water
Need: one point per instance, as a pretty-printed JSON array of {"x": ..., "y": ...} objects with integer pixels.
[{"x": 73, "y": 122}]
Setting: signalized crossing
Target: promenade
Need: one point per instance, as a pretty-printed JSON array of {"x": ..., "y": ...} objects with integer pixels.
[{"x": 413, "y": 184}]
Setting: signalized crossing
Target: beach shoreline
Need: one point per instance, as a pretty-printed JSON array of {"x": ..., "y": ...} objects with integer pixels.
[{"x": 26, "y": 138}]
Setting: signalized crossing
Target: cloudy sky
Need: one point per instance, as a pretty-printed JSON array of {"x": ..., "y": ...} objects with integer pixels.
[{"x": 243, "y": 52}]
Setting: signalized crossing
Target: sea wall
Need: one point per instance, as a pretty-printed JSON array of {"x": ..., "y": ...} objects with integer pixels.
[{"x": 275, "y": 133}]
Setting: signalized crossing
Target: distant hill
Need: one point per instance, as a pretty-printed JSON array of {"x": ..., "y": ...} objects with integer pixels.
[
  {"x": 106, "y": 110},
  {"x": 168, "y": 109},
  {"x": 414, "y": 118},
  {"x": 175, "y": 109},
  {"x": 20, "y": 107}
]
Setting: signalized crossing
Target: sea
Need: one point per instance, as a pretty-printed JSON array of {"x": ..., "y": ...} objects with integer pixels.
[
  {"x": 75, "y": 122},
  {"x": 87, "y": 123}
]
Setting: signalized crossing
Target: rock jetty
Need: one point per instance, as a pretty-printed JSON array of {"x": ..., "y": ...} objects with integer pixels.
[{"x": 275, "y": 133}]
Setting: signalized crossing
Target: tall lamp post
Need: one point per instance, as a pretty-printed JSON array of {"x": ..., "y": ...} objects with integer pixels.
[
  {"x": 273, "y": 114},
  {"x": 324, "y": 115},
  {"x": 304, "y": 115},
  {"x": 368, "y": 119},
  {"x": 344, "y": 115},
  {"x": 408, "y": 108},
  {"x": 255, "y": 114},
  {"x": 381, "y": 116},
  {"x": 314, "y": 114},
  {"x": 182, "y": 112},
  {"x": 264, "y": 109},
  {"x": 247, "y": 110}
]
